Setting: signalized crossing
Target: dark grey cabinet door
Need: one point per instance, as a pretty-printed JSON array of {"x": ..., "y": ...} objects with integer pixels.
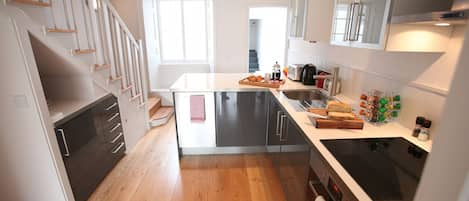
[
  {"x": 275, "y": 120},
  {"x": 241, "y": 118},
  {"x": 294, "y": 163},
  {"x": 89, "y": 149},
  {"x": 83, "y": 152}
]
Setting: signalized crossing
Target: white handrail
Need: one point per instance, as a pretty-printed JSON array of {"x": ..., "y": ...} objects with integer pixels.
[{"x": 121, "y": 22}]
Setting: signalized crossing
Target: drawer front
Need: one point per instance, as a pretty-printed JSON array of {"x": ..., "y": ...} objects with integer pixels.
[
  {"x": 117, "y": 151},
  {"x": 114, "y": 131},
  {"x": 111, "y": 120},
  {"x": 107, "y": 119}
]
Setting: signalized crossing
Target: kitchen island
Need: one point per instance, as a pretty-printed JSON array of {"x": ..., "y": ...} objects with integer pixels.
[{"x": 211, "y": 84}]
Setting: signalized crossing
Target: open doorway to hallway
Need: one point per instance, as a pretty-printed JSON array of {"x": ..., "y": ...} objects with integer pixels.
[{"x": 267, "y": 37}]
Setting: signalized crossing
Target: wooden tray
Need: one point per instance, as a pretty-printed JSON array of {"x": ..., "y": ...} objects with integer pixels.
[
  {"x": 356, "y": 123},
  {"x": 268, "y": 84}
]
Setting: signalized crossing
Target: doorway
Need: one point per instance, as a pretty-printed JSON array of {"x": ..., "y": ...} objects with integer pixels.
[{"x": 267, "y": 37}]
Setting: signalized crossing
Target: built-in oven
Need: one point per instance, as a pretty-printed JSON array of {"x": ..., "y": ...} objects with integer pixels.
[{"x": 323, "y": 183}]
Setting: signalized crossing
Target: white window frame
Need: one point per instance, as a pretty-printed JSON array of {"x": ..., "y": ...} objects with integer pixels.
[{"x": 208, "y": 24}]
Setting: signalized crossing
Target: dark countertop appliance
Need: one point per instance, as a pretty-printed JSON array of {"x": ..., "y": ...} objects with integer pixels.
[
  {"x": 307, "y": 75},
  {"x": 387, "y": 169}
]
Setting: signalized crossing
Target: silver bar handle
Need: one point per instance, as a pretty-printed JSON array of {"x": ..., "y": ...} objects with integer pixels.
[
  {"x": 118, "y": 148},
  {"x": 277, "y": 131},
  {"x": 111, "y": 106},
  {"x": 351, "y": 22},
  {"x": 67, "y": 152},
  {"x": 115, "y": 139},
  {"x": 348, "y": 24},
  {"x": 113, "y": 117},
  {"x": 115, "y": 127},
  {"x": 282, "y": 127},
  {"x": 356, "y": 12},
  {"x": 360, "y": 12}
]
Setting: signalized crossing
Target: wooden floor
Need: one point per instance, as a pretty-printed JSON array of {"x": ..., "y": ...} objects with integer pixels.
[{"x": 153, "y": 172}]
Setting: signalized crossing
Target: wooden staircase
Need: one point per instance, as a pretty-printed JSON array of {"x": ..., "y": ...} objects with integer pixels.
[
  {"x": 92, "y": 36},
  {"x": 159, "y": 115}
]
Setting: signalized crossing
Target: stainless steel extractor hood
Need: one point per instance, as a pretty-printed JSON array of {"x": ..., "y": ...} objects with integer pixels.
[{"x": 440, "y": 15}]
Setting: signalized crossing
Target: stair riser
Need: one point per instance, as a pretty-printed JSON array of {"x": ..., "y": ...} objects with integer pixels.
[
  {"x": 88, "y": 59},
  {"x": 66, "y": 39},
  {"x": 154, "y": 109},
  {"x": 41, "y": 14}
]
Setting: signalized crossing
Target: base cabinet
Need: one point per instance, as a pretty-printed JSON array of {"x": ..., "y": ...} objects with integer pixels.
[
  {"x": 91, "y": 145},
  {"x": 241, "y": 118},
  {"x": 291, "y": 160}
]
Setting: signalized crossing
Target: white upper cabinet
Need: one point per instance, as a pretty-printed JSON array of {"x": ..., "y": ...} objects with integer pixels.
[
  {"x": 360, "y": 23},
  {"x": 366, "y": 24},
  {"x": 297, "y": 18},
  {"x": 318, "y": 21}
]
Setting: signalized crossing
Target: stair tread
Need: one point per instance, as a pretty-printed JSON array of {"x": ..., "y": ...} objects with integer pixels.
[
  {"x": 33, "y": 3},
  {"x": 83, "y": 51},
  {"x": 152, "y": 101},
  {"x": 163, "y": 112},
  {"x": 54, "y": 30}
]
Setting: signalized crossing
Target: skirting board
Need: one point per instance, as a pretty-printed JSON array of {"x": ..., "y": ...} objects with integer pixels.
[{"x": 243, "y": 150}]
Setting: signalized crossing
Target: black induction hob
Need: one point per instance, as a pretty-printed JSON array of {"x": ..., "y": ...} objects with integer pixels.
[{"x": 388, "y": 169}]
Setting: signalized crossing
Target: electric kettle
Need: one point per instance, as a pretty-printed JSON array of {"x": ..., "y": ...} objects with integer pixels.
[{"x": 307, "y": 75}]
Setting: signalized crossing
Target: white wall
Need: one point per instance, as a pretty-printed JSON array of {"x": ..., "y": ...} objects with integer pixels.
[
  {"x": 272, "y": 35},
  {"x": 168, "y": 74},
  {"x": 28, "y": 171},
  {"x": 231, "y": 19},
  {"x": 131, "y": 14},
  {"x": 253, "y": 33},
  {"x": 447, "y": 168},
  {"x": 406, "y": 73}
]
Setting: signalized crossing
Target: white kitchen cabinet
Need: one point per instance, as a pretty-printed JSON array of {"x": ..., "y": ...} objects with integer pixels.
[
  {"x": 360, "y": 23},
  {"x": 195, "y": 134},
  {"x": 365, "y": 24},
  {"x": 318, "y": 25},
  {"x": 297, "y": 18}
]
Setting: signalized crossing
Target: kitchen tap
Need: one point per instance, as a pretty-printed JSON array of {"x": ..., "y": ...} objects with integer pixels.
[{"x": 333, "y": 77}]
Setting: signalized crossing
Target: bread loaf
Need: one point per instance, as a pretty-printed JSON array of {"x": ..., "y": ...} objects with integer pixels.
[
  {"x": 341, "y": 116},
  {"x": 336, "y": 106}
]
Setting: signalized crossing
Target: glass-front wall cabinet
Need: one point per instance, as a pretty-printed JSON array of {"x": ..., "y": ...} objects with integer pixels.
[
  {"x": 297, "y": 18},
  {"x": 360, "y": 23}
]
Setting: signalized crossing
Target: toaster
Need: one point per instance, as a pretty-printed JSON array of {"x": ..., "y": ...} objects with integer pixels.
[{"x": 294, "y": 71}]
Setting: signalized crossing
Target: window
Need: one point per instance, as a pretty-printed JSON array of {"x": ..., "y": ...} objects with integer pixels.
[{"x": 184, "y": 31}]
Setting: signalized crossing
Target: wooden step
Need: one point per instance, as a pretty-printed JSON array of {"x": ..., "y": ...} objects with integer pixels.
[
  {"x": 53, "y": 30},
  {"x": 126, "y": 89},
  {"x": 33, "y": 3},
  {"x": 133, "y": 98},
  {"x": 162, "y": 113},
  {"x": 83, "y": 51},
  {"x": 101, "y": 66},
  {"x": 111, "y": 79},
  {"x": 154, "y": 103}
]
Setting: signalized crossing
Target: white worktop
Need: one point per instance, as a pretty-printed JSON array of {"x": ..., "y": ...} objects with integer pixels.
[
  {"x": 198, "y": 82},
  {"x": 229, "y": 82},
  {"x": 61, "y": 110}
]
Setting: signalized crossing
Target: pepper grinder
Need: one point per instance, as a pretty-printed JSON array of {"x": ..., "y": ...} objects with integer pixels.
[
  {"x": 424, "y": 131},
  {"x": 418, "y": 125}
]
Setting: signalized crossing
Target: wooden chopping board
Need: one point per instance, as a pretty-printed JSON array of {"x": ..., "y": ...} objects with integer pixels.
[
  {"x": 355, "y": 123},
  {"x": 263, "y": 83}
]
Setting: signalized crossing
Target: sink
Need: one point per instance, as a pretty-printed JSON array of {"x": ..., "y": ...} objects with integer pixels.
[{"x": 302, "y": 99}]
